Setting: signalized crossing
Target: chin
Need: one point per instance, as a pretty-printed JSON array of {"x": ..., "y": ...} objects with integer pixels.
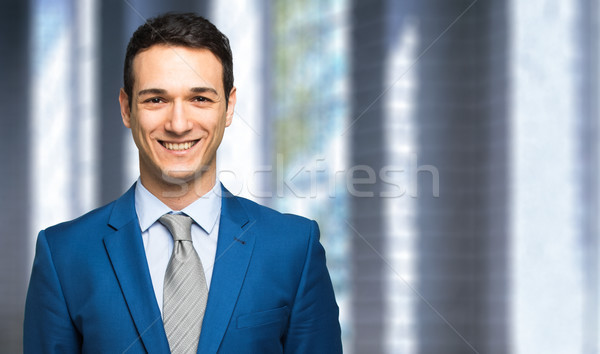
[{"x": 178, "y": 177}]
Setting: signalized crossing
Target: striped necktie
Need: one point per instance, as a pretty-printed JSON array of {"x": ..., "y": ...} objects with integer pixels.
[{"x": 185, "y": 291}]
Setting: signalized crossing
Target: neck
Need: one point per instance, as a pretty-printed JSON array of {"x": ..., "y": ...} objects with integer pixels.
[{"x": 182, "y": 193}]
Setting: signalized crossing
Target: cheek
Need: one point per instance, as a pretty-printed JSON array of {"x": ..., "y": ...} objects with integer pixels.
[
  {"x": 212, "y": 124},
  {"x": 220, "y": 123},
  {"x": 137, "y": 130},
  {"x": 217, "y": 133},
  {"x": 145, "y": 126},
  {"x": 140, "y": 134}
]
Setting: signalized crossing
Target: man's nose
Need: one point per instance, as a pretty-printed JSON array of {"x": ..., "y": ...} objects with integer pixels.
[{"x": 177, "y": 122}]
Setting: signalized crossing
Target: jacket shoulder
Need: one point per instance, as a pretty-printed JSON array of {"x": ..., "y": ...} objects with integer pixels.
[
  {"x": 88, "y": 224},
  {"x": 288, "y": 231},
  {"x": 261, "y": 212}
]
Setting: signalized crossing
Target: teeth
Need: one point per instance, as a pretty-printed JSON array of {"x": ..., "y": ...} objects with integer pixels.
[{"x": 180, "y": 146}]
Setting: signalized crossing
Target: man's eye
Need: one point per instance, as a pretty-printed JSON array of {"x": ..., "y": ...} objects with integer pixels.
[
  {"x": 153, "y": 100},
  {"x": 201, "y": 99}
]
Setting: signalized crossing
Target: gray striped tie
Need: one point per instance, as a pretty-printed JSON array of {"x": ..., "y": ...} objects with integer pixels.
[{"x": 185, "y": 290}]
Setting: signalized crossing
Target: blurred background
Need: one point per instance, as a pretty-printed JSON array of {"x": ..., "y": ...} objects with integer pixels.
[{"x": 447, "y": 148}]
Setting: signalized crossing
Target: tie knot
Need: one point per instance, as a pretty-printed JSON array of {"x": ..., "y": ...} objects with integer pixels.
[{"x": 179, "y": 225}]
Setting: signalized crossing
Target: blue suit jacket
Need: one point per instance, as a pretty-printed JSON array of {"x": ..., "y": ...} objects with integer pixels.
[{"x": 90, "y": 289}]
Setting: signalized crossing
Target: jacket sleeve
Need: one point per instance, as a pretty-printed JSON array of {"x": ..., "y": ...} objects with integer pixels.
[
  {"x": 48, "y": 327},
  {"x": 314, "y": 326}
]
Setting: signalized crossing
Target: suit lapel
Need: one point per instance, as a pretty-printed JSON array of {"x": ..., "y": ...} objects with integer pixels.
[
  {"x": 234, "y": 250},
  {"x": 126, "y": 252}
]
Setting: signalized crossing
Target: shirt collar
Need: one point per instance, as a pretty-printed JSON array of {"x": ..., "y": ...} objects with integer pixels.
[{"x": 205, "y": 211}]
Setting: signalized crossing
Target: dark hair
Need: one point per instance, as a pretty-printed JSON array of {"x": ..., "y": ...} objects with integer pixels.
[{"x": 183, "y": 29}]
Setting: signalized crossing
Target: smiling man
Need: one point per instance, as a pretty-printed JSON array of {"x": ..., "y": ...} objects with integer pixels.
[
  {"x": 178, "y": 264},
  {"x": 177, "y": 114}
]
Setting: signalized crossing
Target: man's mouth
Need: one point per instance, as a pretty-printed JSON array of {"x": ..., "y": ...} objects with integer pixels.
[{"x": 178, "y": 146}]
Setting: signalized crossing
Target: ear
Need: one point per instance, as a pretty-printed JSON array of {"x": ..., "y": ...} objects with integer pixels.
[
  {"x": 230, "y": 106},
  {"x": 125, "y": 111}
]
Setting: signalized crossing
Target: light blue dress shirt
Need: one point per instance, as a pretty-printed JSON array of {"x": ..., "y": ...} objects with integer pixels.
[{"x": 158, "y": 242}]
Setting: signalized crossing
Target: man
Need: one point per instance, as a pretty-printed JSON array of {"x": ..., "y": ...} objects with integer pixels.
[{"x": 125, "y": 278}]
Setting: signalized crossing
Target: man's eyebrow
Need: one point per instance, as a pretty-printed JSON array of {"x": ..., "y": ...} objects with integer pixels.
[
  {"x": 157, "y": 91},
  {"x": 153, "y": 91},
  {"x": 203, "y": 90}
]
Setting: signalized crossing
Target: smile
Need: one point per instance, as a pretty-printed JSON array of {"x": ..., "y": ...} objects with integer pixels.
[{"x": 178, "y": 146}]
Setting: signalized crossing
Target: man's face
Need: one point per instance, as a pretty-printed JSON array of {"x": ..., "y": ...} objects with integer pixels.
[{"x": 178, "y": 112}]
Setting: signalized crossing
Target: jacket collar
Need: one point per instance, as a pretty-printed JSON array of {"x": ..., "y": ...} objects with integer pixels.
[
  {"x": 234, "y": 251},
  {"x": 124, "y": 209},
  {"x": 126, "y": 252}
]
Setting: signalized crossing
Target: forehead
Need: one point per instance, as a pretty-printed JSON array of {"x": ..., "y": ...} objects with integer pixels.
[{"x": 171, "y": 67}]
